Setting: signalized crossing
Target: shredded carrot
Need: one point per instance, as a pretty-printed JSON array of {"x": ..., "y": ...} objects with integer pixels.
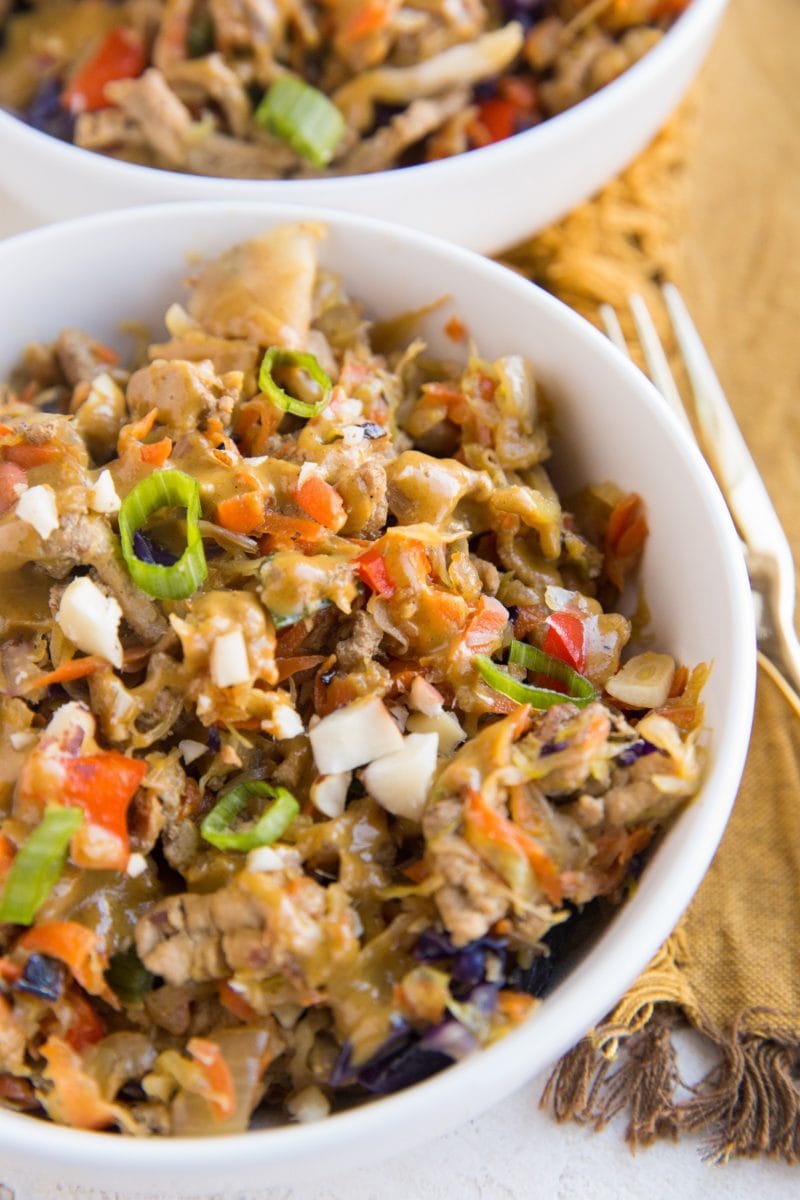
[
  {"x": 368, "y": 19},
  {"x": 494, "y": 827},
  {"x": 236, "y": 1003},
  {"x": 243, "y": 513},
  {"x": 157, "y": 453},
  {"x": 9, "y": 971},
  {"x": 136, "y": 431},
  {"x": 218, "y": 1075},
  {"x": 456, "y": 330},
  {"x": 417, "y": 871},
  {"x": 79, "y": 948},
  {"x": 76, "y": 1099},
  {"x": 68, "y": 672},
  {"x": 291, "y": 666},
  {"x": 104, "y": 353},
  {"x": 322, "y": 502},
  {"x": 27, "y": 456},
  {"x": 289, "y": 533},
  {"x": 515, "y": 1005},
  {"x": 255, "y": 423},
  {"x": 7, "y": 854},
  {"x": 679, "y": 682}
]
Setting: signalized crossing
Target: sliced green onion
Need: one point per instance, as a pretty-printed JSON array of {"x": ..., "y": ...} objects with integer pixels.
[
  {"x": 579, "y": 690},
  {"x": 164, "y": 489},
  {"x": 274, "y": 821},
  {"x": 128, "y": 977},
  {"x": 304, "y": 117},
  {"x": 38, "y": 865},
  {"x": 281, "y": 399}
]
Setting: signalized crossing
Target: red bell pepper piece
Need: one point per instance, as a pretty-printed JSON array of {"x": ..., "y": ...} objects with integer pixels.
[
  {"x": 566, "y": 639},
  {"x": 121, "y": 56},
  {"x": 373, "y": 571}
]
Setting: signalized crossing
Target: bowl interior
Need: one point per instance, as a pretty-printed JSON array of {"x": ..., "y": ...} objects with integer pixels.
[{"x": 611, "y": 425}]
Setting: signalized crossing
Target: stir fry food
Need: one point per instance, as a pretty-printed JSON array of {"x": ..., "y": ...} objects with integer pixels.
[
  {"x": 264, "y": 90},
  {"x": 314, "y": 726}
]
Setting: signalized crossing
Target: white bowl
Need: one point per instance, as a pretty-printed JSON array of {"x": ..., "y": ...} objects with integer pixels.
[
  {"x": 611, "y": 425},
  {"x": 485, "y": 200}
]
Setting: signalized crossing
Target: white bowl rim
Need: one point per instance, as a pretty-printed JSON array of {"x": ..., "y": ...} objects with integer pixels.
[
  {"x": 599, "y": 106},
  {"x": 460, "y": 1084}
]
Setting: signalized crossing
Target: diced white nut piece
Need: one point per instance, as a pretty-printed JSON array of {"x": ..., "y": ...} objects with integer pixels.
[
  {"x": 329, "y": 793},
  {"x": 137, "y": 865},
  {"x": 264, "y": 858},
  {"x": 22, "y": 739},
  {"x": 102, "y": 496},
  {"x": 354, "y": 735},
  {"x": 37, "y": 507},
  {"x": 191, "y": 750},
  {"x": 424, "y": 697},
  {"x": 308, "y": 1105},
  {"x": 178, "y": 321},
  {"x": 90, "y": 619},
  {"x": 285, "y": 722},
  {"x": 445, "y": 725},
  {"x": 228, "y": 662},
  {"x": 644, "y": 681},
  {"x": 67, "y": 719},
  {"x": 399, "y": 782}
]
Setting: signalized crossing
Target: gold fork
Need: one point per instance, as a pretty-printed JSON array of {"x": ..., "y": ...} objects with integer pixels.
[{"x": 768, "y": 556}]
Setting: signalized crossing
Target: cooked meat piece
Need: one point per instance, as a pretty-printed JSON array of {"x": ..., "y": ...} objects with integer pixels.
[
  {"x": 481, "y": 58},
  {"x": 77, "y": 356},
  {"x": 262, "y": 289},
  {"x": 633, "y": 799},
  {"x": 262, "y": 924},
  {"x": 245, "y": 24},
  {"x": 382, "y": 150},
  {"x": 473, "y": 897},
  {"x": 361, "y": 643},
  {"x": 163, "y": 120},
  {"x": 88, "y": 539},
  {"x": 426, "y": 489},
  {"x": 186, "y": 394},
  {"x": 364, "y": 492},
  {"x": 226, "y": 157},
  {"x": 197, "y": 80},
  {"x": 110, "y": 131},
  {"x": 224, "y": 354}
]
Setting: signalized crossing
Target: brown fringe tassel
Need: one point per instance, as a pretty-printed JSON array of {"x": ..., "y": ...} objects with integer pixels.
[{"x": 747, "y": 1104}]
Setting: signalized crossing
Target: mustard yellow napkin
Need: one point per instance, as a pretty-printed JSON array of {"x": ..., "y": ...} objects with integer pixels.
[{"x": 731, "y": 970}]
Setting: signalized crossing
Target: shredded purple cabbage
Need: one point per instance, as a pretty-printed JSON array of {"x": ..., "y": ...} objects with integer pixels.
[
  {"x": 47, "y": 114},
  {"x": 552, "y": 748},
  {"x": 638, "y": 750},
  {"x": 148, "y": 551},
  {"x": 468, "y": 967}
]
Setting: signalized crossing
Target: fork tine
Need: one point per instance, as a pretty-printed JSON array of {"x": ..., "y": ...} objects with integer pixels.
[
  {"x": 656, "y": 359},
  {"x": 613, "y": 329}
]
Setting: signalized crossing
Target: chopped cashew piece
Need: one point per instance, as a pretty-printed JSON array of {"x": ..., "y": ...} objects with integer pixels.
[
  {"x": 424, "y": 697},
  {"x": 329, "y": 793},
  {"x": 37, "y": 507},
  {"x": 191, "y": 750},
  {"x": 90, "y": 619},
  {"x": 399, "y": 782},
  {"x": 644, "y": 681},
  {"x": 137, "y": 865},
  {"x": 102, "y": 497},
  {"x": 353, "y": 736},
  {"x": 445, "y": 725},
  {"x": 228, "y": 660}
]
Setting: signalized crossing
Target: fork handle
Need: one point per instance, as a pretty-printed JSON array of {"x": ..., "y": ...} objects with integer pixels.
[{"x": 774, "y": 618}]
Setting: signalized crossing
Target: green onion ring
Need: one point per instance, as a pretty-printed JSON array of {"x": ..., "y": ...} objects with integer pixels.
[
  {"x": 302, "y": 116},
  {"x": 164, "y": 489},
  {"x": 38, "y": 865},
  {"x": 273, "y": 822},
  {"x": 277, "y": 357},
  {"x": 580, "y": 691}
]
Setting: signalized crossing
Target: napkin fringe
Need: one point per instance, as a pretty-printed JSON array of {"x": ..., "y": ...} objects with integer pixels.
[{"x": 747, "y": 1104}]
